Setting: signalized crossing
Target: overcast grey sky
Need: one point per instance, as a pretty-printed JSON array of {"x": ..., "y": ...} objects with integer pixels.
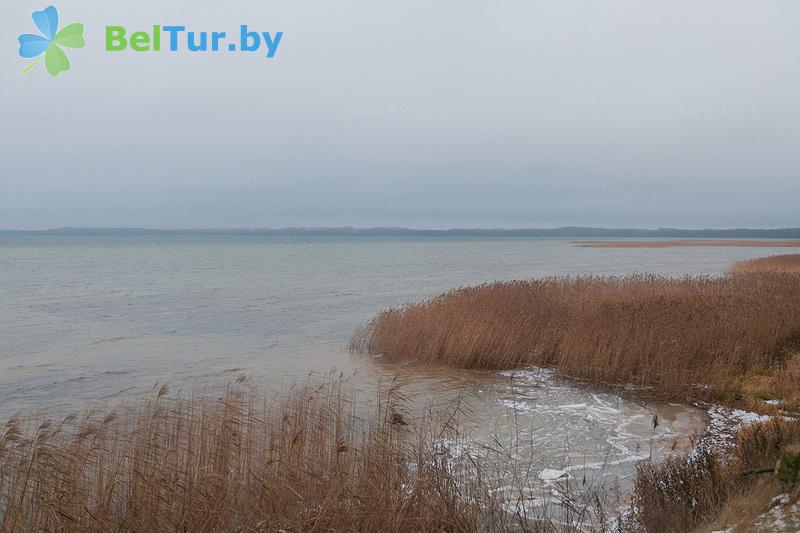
[{"x": 415, "y": 113}]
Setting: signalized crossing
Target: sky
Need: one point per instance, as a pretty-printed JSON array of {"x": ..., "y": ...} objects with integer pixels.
[{"x": 418, "y": 114}]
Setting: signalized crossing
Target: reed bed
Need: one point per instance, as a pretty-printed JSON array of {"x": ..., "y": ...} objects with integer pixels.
[
  {"x": 775, "y": 263},
  {"x": 305, "y": 460},
  {"x": 683, "y": 243},
  {"x": 682, "y": 336}
]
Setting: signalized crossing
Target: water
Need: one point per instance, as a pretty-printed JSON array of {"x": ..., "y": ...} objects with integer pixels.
[{"x": 102, "y": 319}]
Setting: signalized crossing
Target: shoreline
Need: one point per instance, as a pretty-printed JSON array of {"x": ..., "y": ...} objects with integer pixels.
[
  {"x": 730, "y": 343},
  {"x": 742, "y": 243},
  {"x": 625, "y": 320}
]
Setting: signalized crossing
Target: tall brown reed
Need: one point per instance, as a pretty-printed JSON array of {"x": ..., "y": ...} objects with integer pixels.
[
  {"x": 789, "y": 263},
  {"x": 646, "y": 330},
  {"x": 307, "y": 460},
  {"x": 681, "y": 493}
]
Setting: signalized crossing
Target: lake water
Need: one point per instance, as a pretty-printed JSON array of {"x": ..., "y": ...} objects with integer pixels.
[{"x": 103, "y": 319}]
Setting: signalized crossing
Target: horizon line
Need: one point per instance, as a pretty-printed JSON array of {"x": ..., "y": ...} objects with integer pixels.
[{"x": 396, "y": 230}]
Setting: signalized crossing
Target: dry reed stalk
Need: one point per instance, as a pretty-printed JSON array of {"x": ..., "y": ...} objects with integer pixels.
[
  {"x": 306, "y": 460},
  {"x": 789, "y": 264},
  {"x": 671, "y": 334},
  {"x": 682, "y": 493}
]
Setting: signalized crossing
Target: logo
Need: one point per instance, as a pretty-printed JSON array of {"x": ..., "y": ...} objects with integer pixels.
[
  {"x": 174, "y": 38},
  {"x": 178, "y": 38},
  {"x": 50, "y": 42}
]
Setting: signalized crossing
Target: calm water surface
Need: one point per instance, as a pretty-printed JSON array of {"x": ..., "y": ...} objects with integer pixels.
[{"x": 103, "y": 319}]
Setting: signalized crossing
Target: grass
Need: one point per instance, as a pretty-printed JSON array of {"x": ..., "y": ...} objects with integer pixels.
[
  {"x": 715, "y": 486},
  {"x": 735, "y": 333},
  {"x": 306, "y": 460},
  {"x": 775, "y": 263}
]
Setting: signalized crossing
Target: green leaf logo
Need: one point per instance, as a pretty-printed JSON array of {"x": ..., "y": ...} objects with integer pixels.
[{"x": 50, "y": 42}]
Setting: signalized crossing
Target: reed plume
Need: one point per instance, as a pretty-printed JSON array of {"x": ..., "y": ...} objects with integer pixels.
[{"x": 311, "y": 459}]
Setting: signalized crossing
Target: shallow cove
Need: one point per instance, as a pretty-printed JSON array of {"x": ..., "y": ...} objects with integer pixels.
[
  {"x": 103, "y": 319},
  {"x": 563, "y": 432}
]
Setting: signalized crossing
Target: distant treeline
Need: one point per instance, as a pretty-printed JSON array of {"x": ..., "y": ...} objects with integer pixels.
[{"x": 565, "y": 232}]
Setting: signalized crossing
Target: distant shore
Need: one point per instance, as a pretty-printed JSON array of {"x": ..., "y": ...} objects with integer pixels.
[
  {"x": 568, "y": 232},
  {"x": 688, "y": 243}
]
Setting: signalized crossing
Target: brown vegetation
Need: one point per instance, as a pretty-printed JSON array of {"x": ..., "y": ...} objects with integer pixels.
[
  {"x": 304, "y": 461},
  {"x": 312, "y": 459},
  {"x": 671, "y": 334},
  {"x": 711, "y": 485},
  {"x": 735, "y": 338},
  {"x": 688, "y": 242},
  {"x": 774, "y": 263}
]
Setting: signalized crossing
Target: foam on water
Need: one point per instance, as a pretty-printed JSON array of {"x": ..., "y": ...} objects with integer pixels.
[{"x": 579, "y": 429}]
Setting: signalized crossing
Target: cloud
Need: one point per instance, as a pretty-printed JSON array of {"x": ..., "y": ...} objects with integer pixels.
[{"x": 442, "y": 114}]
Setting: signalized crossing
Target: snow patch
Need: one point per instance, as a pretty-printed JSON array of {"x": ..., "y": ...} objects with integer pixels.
[
  {"x": 551, "y": 474},
  {"x": 781, "y": 517},
  {"x": 725, "y": 422}
]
